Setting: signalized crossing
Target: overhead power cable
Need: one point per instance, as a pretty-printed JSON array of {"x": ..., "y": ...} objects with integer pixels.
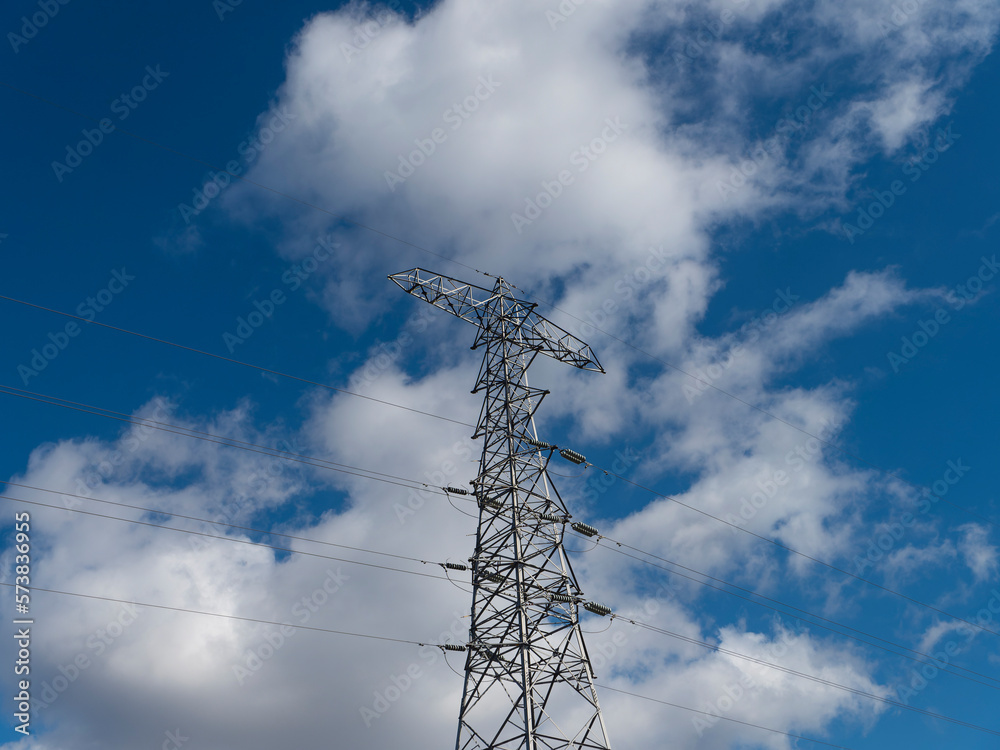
[
  {"x": 804, "y": 555},
  {"x": 229, "y": 538},
  {"x": 930, "y": 659},
  {"x": 719, "y": 716},
  {"x": 423, "y": 249},
  {"x": 414, "y": 559},
  {"x": 120, "y": 416},
  {"x": 320, "y": 463},
  {"x": 228, "y": 617},
  {"x": 202, "y": 520},
  {"x": 268, "y": 370},
  {"x": 812, "y": 678},
  {"x": 371, "y": 636},
  {"x": 627, "y": 619}
]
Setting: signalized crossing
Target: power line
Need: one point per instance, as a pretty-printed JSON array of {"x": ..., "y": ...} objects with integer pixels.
[
  {"x": 812, "y": 678},
  {"x": 630, "y": 620},
  {"x": 308, "y": 459},
  {"x": 934, "y": 661},
  {"x": 553, "y": 306},
  {"x": 231, "y": 539},
  {"x": 87, "y": 408},
  {"x": 414, "y": 559},
  {"x": 718, "y": 716},
  {"x": 202, "y": 520},
  {"x": 802, "y": 554},
  {"x": 245, "y": 445},
  {"x": 321, "y": 463},
  {"x": 211, "y": 438},
  {"x": 229, "y": 617},
  {"x": 391, "y": 640},
  {"x": 233, "y": 361}
]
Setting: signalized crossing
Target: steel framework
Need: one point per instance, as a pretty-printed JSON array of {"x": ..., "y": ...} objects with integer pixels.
[{"x": 529, "y": 684}]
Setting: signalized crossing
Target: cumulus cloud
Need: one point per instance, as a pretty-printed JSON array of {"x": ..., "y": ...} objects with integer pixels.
[{"x": 589, "y": 160}]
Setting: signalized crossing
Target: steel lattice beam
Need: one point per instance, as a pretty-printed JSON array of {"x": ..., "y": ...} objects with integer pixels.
[{"x": 529, "y": 684}]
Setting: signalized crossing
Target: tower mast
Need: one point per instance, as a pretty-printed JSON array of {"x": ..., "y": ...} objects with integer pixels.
[{"x": 529, "y": 684}]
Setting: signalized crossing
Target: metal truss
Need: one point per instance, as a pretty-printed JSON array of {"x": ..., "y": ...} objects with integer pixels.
[{"x": 529, "y": 684}]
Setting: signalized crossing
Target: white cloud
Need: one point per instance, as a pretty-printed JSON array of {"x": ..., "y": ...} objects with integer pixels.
[{"x": 517, "y": 103}]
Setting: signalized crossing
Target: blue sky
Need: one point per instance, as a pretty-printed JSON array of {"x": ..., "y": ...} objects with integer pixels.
[{"x": 774, "y": 222}]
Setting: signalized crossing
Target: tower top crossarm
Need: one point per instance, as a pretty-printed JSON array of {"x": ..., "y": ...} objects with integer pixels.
[{"x": 472, "y": 304}]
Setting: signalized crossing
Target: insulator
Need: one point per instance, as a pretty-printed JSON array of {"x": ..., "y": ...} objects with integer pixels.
[
  {"x": 597, "y": 609},
  {"x": 562, "y": 598},
  {"x": 551, "y": 517},
  {"x": 453, "y": 647},
  {"x": 456, "y": 566},
  {"x": 585, "y": 529},
  {"x": 492, "y": 502},
  {"x": 541, "y": 444},
  {"x": 489, "y": 575},
  {"x": 456, "y": 490},
  {"x": 572, "y": 456}
]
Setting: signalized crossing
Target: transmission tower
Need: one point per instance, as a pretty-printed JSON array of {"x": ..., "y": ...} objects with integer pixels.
[{"x": 529, "y": 684}]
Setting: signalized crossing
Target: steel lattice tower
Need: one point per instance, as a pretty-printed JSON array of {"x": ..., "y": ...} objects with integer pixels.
[{"x": 529, "y": 684}]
